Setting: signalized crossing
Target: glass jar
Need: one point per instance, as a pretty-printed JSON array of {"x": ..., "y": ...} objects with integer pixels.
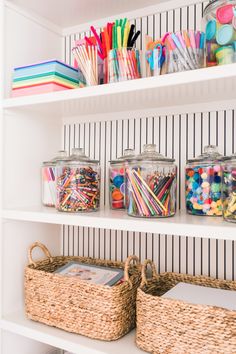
[
  {"x": 184, "y": 51},
  {"x": 229, "y": 189},
  {"x": 151, "y": 184},
  {"x": 117, "y": 186},
  {"x": 220, "y": 27},
  {"x": 124, "y": 64},
  {"x": 48, "y": 173},
  {"x": 203, "y": 183},
  {"x": 78, "y": 183}
]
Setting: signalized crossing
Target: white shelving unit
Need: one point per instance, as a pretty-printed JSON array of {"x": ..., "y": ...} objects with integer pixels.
[
  {"x": 17, "y": 323},
  {"x": 182, "y": 224},
  {"x": 210, "y": 84},
  {"x": 179, "y": 112}
]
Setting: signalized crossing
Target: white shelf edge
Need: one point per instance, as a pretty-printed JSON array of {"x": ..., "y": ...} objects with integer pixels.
[
  {"x": 17, "y": 323},
  {"x": 182, "y": 224},
  {"x": 159, "y": 82}
]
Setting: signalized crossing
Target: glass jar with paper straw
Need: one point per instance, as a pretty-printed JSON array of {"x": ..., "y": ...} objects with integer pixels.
[
  {"x": 184, "y": 51},
  {"x": 87, "y": 59},
  {"x": 151, "y": 185},
  {"x": 117, "y": 185},
  {"x": 78, "y": 183},
  {"x": 48, "y": 172}
]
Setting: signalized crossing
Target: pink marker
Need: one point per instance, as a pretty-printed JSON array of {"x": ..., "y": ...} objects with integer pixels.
[
  {"x": 197, "y": 38},
  {"x": 171, "y": 42},
  {"x": 192, "y": 39},
  {"x": 186, "y": 53},
  {"x": 176, "y": 59},
  {"x": 100, "y": 52},
  {"x": 164, "y": 38},
  {"x": 172, "y": 65},
  {"x": 186, "y": 60}
]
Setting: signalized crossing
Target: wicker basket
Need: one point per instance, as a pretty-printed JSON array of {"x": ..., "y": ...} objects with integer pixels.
[
  {"x": 172, "y": 326},
  {"x": 96, "y": 311}
]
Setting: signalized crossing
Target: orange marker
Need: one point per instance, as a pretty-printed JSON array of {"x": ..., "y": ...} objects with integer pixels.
[{"x": 107, "y": 39}]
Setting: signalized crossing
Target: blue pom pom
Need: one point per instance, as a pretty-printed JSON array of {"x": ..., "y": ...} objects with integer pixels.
[{"x": 118, "y": 181}]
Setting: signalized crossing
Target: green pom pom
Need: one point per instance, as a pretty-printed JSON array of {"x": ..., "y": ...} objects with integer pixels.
[{"x": 215, "y": 187}]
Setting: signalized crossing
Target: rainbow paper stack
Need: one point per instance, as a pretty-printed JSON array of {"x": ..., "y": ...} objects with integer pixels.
[{"x": 44, "y": 77}]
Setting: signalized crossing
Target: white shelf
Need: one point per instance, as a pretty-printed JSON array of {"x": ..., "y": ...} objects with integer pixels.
[
  {"x": 17, "y": 323},
  {"x": 181, "y": 224},
  {"x": 203, "y": 85}
]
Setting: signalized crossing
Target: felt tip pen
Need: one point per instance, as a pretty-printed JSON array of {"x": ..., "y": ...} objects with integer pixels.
[
  {"x": 184, "y": 49},
  {"x": 174, "y": 62},
  {"x": 179, "y": 51}
]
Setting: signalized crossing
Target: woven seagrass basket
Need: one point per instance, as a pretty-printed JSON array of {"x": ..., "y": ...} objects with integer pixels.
[
  {"x": 96, "y": 311},
  {"x": 172, "y": 326}
]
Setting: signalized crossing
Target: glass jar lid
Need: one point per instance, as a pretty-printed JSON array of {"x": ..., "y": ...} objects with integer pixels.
[
  {"x": 210, "y": 154},
  {"x": 150, "y": 154},
  {"x": 231, "y": 158},
  {"x": 78, "y": 155},
  {"x": 128, "y": 155},
  {"x": 61, "y": 155},
  {"x": 214, "y": 4}
]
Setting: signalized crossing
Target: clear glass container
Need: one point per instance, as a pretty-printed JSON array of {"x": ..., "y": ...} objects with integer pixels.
[
  {"x": 151, "y": 184},
  {"x": 117, "y": 185},
  {"x": 78, "y": 183},
  {"x": 229, "y": 189},
  {"x": 203, "y": 183},
  {"x": 219, "y": 22},
  {"x": 48, "y": 173},
  {"x": 124, "y": 64},
  {"x": 184, "y": 51}
]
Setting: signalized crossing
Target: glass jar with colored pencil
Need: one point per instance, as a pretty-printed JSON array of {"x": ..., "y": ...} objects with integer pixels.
[
  {"x": 151, "y": 185},
  {"x": 78, "y": 183},
  {"x": 49, "y": 179}
]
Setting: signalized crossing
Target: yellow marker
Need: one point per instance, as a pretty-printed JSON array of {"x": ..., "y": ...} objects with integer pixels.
[
  {"x": 119, "y": 42},
  {"x": 126, "y": 34}
]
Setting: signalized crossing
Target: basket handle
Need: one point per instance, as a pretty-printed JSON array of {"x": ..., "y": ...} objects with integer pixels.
[
  {"x": 43, "y": 248},
  {"x": 144, "y": 271},
  {"x": 127, "y": 267}
]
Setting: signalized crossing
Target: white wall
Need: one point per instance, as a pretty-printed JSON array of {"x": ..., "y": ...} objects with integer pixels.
[{"x": 27, "y": 42}]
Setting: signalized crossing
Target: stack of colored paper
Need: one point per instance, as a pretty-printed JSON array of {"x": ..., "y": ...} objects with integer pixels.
[{"x": 44, "y": 77}]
